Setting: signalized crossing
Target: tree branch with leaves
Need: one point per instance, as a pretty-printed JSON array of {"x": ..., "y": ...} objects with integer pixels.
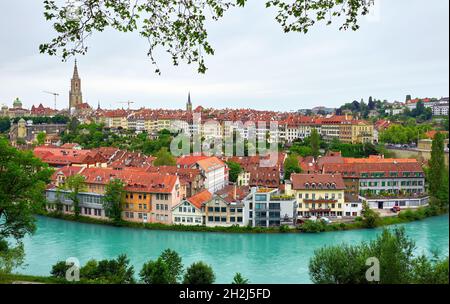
[{"x": 179, "y": 26}]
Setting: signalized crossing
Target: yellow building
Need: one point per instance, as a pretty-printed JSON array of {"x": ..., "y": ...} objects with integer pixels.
[
  {"x": 317, "y": 194},
  {"x": 362, "y": 132}
]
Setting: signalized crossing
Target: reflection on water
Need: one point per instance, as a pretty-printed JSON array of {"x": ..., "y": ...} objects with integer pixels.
[{"x": 263, "y": 258}]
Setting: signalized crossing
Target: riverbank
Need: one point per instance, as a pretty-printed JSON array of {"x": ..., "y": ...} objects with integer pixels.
[
  {"x": 28, "y": 279},
  {"x": 313, "y": 227}
]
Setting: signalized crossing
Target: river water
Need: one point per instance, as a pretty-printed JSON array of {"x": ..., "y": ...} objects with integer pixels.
[{"x": 263, "y": 258}]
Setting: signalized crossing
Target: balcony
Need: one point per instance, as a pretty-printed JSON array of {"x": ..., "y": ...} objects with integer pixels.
[
  {"x": 320, "y": 201},
  {"x": 282, "y": 198}
]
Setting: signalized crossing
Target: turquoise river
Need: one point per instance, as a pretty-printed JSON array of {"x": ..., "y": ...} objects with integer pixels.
[{"x": 263, "y": 258}]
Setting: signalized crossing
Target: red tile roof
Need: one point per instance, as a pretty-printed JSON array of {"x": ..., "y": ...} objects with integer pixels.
[
  {"x": 200, "y": 198},
  {"x": 356, "y": 170},
  {"x": 189, "y": 160},
  {"x": 317, "y": 181},
  {"x": 228, "y": 193},
  {"x": 135, "y": 180}
]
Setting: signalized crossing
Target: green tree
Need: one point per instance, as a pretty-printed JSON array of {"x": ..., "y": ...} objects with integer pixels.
[
  {"x": 370, "y": 217},
  {"x": 40, "y": 138},
  {"x": 345, "y": 264},
  {"x": 174, "y": 265},
  {"x": 315, "y": 143},
  {"x": 155, "y": 272},
  {"x": 199, "y": 273},
  {"x": 59, "y": 270},
  {"x": 164, "y": 158},
  {"x": 235, "y": 170},
  {"x": 178, "y": 27},
  {"x": 10, "y": 258},
  {"x": 113, "y": 199},
  {"x": 291, "y": 166},
  {"x": 437, "y": 167},
  {"x": 74, "y": 185},
  {"x": 115, "y": 271},
  {"x": 239, "y": 279},
  {"x": 430, "y": 271},
  {"x": 23, "y": 179},
  {"x": 4, "y": 124},
  {"x": 301, "y": 150}
]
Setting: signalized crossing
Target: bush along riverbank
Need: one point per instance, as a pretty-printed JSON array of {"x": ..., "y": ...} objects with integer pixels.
[{"x": 370, "y": 219}]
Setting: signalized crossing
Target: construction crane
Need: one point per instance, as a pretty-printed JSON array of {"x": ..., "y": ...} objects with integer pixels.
[
  {"x": 54, "y": 95},
  {"x": 127, "y": 102}
]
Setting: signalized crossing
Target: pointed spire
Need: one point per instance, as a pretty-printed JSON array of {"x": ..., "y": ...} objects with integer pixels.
[
  {"x": 98, "y": 108},
  {"x": 189, "y": 103},
  {"x": 75, "y": 71}
]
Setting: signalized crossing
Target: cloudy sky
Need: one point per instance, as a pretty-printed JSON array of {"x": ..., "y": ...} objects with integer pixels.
[{"x": 403, "y": 48}]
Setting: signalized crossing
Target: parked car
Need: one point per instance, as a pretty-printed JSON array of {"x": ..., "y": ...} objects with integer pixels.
[
  {"x": 395, "y": 209},
  {"x": 326, "y": 220}
]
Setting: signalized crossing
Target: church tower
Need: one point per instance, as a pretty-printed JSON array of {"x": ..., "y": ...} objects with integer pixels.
[
  {"x": 189, "y": 103},
  {"x": 75, "y": 96}
]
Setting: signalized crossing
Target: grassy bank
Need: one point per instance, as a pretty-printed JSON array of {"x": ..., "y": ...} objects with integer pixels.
[
  {"x": 310, "y": 227},
  {"x": 11, "y": 278}
]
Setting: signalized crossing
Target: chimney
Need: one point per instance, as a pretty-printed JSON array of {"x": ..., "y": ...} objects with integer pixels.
[{"x": 234, "y": 191}]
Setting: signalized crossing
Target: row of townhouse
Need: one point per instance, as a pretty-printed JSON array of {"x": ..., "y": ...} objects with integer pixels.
[
  {"x": 273, "y": 128},
  {"x": 157, "y": 197},
  {"x": 233, "y": 205},
  {"x": 382, "y": 183},
  {"x": 439, "y": 107},
  {"x": 148, "y": 197}
]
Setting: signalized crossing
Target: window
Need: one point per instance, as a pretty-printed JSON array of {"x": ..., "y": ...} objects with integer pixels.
[
  {"x": 210, "y": 209},
  {"x": 260, "y": 206},
  {"x": 260, "y": 197},
  {"x": 210, "y": 219},
  {"x": 274, "y": 206},
  {"x": 216, "y": 209},
  {"x": 239, "y": 210},
  {"x": 223, "y": 209}
]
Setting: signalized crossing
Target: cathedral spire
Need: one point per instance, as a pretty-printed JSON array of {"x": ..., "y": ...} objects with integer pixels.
[
  {"x": 189, "y": 103},
  {"x": 75, "y": 71},
  {"x": 75, "y": 95}
]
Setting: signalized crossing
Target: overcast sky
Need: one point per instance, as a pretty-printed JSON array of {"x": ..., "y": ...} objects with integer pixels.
[{"x": 403, "y": 48}]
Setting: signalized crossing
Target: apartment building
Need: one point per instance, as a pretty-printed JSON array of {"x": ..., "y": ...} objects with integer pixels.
[
  {"x": 317, "y": 194},
  {"x": 148, "y": 197},
  {"x": 190, "y": 211},
  {"x": 383, "y": 183},
  {"x": 213, "y": 169},
  {"x": 269, "y": 208},
  {"x": 226, "y": 208}
]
